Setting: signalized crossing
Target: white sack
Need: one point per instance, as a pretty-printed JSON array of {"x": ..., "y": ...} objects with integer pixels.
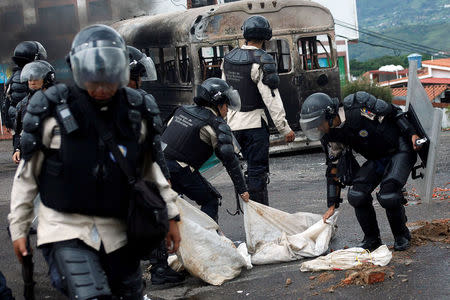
[
  {"x": 203, "y": 252},
  {"x": 347, "y": 259},
  {"x": 275, "y": 236}
]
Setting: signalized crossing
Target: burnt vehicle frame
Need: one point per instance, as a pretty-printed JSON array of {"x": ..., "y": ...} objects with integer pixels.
[{"x": 188, "y": 47}]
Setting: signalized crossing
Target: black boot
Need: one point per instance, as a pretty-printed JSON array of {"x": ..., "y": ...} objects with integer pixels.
[
  {"x": 162, "y": 273},
  {"x": 402, "y": 242},
  {"x": 370, "y": 243}
]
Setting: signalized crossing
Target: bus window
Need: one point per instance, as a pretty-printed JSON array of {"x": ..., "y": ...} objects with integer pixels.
[
  {"x": 169, "y": 70},
  {"x": 279, "y": 49},
  {"x": 155, "y": 55},
  {"x": 183, "y": 64},
  {"x": 315, "y": 52},
  {"x": 211, "y": 59}
]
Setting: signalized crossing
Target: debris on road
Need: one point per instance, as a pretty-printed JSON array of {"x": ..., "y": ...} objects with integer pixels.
[
  {"x": 436, "y": 231},
  {"x": 288, "y": 282}
]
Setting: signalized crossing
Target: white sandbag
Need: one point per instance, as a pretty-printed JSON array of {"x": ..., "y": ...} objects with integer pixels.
[
  {"x": 348, "y": 258},
  {"x": 203, "y": 252},
  {"x": 275, "y": 236}
]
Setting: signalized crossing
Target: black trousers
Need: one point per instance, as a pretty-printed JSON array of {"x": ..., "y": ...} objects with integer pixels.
[
  {"x": 121, "y": 268},
  {"x": 255, "y": 148},
  {"x": 195, "y": 186},
  {"x": 391, "y": 173},
  {"x": 5, "y": 291}
]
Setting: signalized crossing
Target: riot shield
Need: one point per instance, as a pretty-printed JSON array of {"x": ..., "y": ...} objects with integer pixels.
[{"x": 427, "y": 121}]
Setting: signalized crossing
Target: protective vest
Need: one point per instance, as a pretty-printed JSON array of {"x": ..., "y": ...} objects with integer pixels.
[
  {"x": 182, "y": 136},
  {"x": 17, "y": 90},
  {"x": 370, "y": 127},
  {"x": 237, "y": 67},
  {"x": 83, "y": 176}
]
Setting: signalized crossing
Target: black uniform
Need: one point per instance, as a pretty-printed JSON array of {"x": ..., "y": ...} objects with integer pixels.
[
  {"x": 184, "y": 144},
  {"x": 16, "y": 91},
  {"x": 380, "y": 133}
]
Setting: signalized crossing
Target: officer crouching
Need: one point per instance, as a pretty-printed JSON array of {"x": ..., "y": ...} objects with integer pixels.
[
  {"x": 193, "y": 135},
  {"x": 85, "y": 194},
  {"x": 380, "y": 132}
]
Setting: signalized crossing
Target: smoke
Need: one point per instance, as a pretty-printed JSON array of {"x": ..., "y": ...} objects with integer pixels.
[{"x": 56, "y": 26}]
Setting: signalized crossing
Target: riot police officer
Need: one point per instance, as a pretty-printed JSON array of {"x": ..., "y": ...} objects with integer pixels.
[
  {"x": 40, "y": 75},
  {"x": 142, "y": 68},
  {"x": 193, "y": 134},
  {"x": 16, "y": 90},
  {"x": 253, "y": 73},
  {"x": 381, "y": 133},
  {"x": 84, "y": 192}
]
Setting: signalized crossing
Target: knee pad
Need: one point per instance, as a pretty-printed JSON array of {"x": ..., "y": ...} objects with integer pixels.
[
  {"x": 392, "y": 200},
  {"x": 81, "y": 273},
  {"x": 358, "y": 198}
]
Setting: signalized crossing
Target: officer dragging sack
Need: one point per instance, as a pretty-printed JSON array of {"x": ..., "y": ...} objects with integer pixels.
[{"x": 196, "y": 132}]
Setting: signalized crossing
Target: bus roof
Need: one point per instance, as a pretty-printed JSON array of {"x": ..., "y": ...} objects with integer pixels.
[{"x": 214, "y": 23}]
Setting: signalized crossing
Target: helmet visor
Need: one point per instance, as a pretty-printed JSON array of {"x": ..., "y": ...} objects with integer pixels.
[
  {"x": 310, "y": 127},
  {"x": 34, "y": 71},
  {"x": 150, "y": 69},
  {"x": 42, "y": 53},
  {"x": 109, "y": 65},
  {"x": 234, "y": 99}
]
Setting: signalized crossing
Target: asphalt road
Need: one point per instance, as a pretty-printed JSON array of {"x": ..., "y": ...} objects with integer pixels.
[{"x": 297, "y": 184}]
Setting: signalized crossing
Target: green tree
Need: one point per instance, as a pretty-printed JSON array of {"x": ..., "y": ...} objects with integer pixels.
[{"x": 364, "y": 84}]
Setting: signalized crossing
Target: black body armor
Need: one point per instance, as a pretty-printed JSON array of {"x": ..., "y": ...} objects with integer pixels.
[
  {"x": 83, "y": 160},
  {"x": 237, "y": 67}
]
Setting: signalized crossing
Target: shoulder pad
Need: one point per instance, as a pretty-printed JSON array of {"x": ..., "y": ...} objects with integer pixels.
[
  {"x": 361, "y": 97},
  {"x": 382, "y": 108},
  {"x": 142, "y": 92},
  {"x": 18, "y": 87},
  {"x": 31, "y": 122},
  {"x": 39, "y": 104},
  {"x": 348, "y": 101},
  {"x": 224, "y": 128},
  {"x": 57, "y": 93},
  {"x": 370, "y": 103},
  {"x": 239, "y": 56},
  {"x": 266, "y": 58},
  {"x": 134, "y": 97},
  {"x": 150, "y": 104},
  {"x": 28, "y": 144},
  {"x": 16, "y": 76}
]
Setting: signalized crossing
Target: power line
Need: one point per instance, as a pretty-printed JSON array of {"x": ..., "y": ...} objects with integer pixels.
[
  {"x": 367, "y": 31},
  {"x": 397, "y": 42}
]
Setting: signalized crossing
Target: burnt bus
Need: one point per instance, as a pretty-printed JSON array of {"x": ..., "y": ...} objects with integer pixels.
[{"x": 188, "y": 47}]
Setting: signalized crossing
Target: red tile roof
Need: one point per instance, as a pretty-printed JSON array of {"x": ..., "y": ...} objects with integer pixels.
[
  {"x": 436, "y": 80},
  {"x": 432, "y": 91},
  {"x": 442, "y": 62}
]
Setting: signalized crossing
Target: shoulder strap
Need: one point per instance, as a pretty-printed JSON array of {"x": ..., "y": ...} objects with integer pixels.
[{"x": 108, "y": 139}]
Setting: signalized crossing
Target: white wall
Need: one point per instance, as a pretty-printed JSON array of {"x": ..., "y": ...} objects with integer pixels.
[{"x": 440, "y": 73}]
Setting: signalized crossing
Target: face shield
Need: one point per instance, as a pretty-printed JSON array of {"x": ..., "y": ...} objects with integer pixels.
[
  {"x": 100, "y": 62},
  {"x": 150, "y": 69},
  {"x": 234, "y": 99},
  {"x": 34, "y": 71},
  {"x": 42, "y": 53},
  {"x": 312, "y": 126}
]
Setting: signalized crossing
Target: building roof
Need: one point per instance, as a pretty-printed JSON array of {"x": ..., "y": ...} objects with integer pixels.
[
  {"x": 432, "y": 91},
  {"x": 436, "y": 80},
  {"x": 422, "y": 74},
  {"x": 442, "y": 62}
]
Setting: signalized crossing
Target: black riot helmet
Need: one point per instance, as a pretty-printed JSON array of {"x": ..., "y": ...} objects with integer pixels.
[
  {"x": 215, "y": 91},
  {"x": 28, "y": 51},
  {"x": 39, "y": 69},
  {"x": 257, "y": 28},
  {"x": 99, "y": 55},
  {"x": 141, "y": 66},
  {"x": 317, "y": 109}
]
